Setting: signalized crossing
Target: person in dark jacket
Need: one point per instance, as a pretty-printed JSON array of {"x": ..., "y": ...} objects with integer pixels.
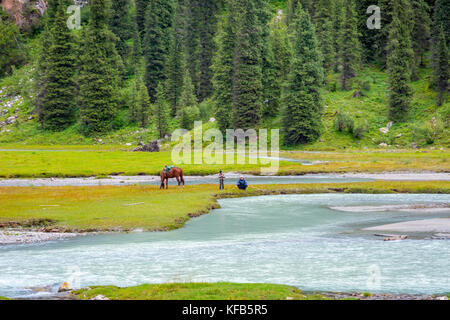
[
  {"x": 221, "y": 180},
  {"x": 242, "y": 184}
]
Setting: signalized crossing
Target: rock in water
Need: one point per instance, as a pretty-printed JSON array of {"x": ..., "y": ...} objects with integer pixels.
[{"x": 64, "y": 287}]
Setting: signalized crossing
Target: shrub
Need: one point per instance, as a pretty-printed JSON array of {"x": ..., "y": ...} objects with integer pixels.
[{"x": 344, "y": 122}]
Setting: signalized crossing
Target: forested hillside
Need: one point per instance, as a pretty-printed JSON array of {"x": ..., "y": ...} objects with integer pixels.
[{"x": 317, "y": 70}]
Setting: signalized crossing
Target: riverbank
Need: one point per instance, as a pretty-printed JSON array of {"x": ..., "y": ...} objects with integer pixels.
[
  {"x": 76, "y": 210},
  {"x": 90, "y": 162},
  {"x": 231, "y": 179},
  {"x": 232, "y": 291}
]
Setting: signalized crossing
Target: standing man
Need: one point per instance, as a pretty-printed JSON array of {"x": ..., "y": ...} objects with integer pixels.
[{"x": 221, "y": 181}]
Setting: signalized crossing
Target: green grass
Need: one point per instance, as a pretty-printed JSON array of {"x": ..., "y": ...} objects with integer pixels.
[
  {"x": 87, "y": 161},
  {"x": 198, "y": 291},
  {"x": 87, "y": 209},
  {"x": 4, "y": 298}
]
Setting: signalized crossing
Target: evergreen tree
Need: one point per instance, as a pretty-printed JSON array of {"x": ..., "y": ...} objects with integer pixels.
[
  {"x": 367, "y": 36},
  {"x": 158, "y": 34},
  {"x": 247, "y": 85},
  {"x": 189, "y": 111},
  {"x": 420, "y": 34},
  {"x": 98, "y": 79},
  {"x": 441, "y": 65},
  {"x": 10, "y": 50},
  {"x": 282, "y": 54},
  {"x": 141, "y": 103},
  {"x": 136, "y": 54},
  {"x": 57, "y": 110},
  {"x": 141, "y": 9},
  {"x": 202, "y": 27},
  {"x": 40, "y": 75},
  {"x": 323, "y": 20},
  {"x": 281, "y": 48},
  {"x": 350, "y": 46},
  {"x": 161, "y": 112},
  {"x": 176, "y": 63},
  {"x": 338, "y": 22},
  {"x": 399, "y": 61},
  {"x": 120, "y": 24},
  {"x": 302, "y": 100},
  {"x": 440, "y": 19},
  {"x": 223, "y": 68},
  {"x": 270, "y": 82}
]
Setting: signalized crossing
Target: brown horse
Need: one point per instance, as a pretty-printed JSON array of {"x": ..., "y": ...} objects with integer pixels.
[{"x": 173, "y": 173}]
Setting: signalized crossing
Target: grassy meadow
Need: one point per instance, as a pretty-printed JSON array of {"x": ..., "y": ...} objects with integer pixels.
[{"x": 112, "y": 208}]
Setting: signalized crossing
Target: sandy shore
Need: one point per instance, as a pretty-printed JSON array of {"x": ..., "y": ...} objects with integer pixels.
[
  {"x": 13, "y": 236},
  {"x": 420, "y": 208},
  {"x": 425, "y": 226},
  {"x": 131, "y": 180}
]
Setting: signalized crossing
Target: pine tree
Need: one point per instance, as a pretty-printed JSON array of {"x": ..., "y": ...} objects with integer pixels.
[
  {"x": 247, "y": 85},
  {"x": 350, "y": 46},
  {"x": 40, "y": 75},
  {"x": 281, "y": 48},
  {"x": 282, "y": 55},
  {"x": 420, "y": 34},
  {"x": 136, "y": 54},
  {"x": 158, "y": 34},
  {"x": 323, "y": 20},
  {"x": 338, "y": 22},
  {"x": 120, "y": 25},
  {"x": 141, "y": 9},
  {"x": 367, "y": 36},
  {"x": 176, "y": 63},
  {"x": 441, "y": 65},
  {"x": 189, "y": 111},
  {"x": 202, "y": 27},
  {"x": 99, "y": 72},
  {"x": 223, "y": 68},
  {"x": 302, "y": 100},
  {"x": 399, "y": 61},
  {"x": 440, "y": 19},
  {"x": 161, "y": 112},
  {"x": 270, "y": 82},
  {"x": 10, "y": 49},
  {"x": 140, "y": 110},
  {"x": 57, "y": 111}
]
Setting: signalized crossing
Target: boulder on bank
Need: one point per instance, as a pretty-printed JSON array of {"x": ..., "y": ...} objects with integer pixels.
[{"x": 151, "y": 147}]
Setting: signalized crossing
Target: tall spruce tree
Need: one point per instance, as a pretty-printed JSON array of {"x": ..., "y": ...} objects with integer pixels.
[
  {"x": 120, "y": 24},
  {"x": 399, "y": 62},
  {"x": 158, "y": 34},
  {"x": 338, "y": 22},
  {"x": 223, "y": 68},
  {"x": 302, "y": 100},
  {"x": 420, "y": 34},
  {"x": 136, "y": 54},
  {"x": 140, "y": 110},
  {"x": 367, "y": 36},
  {"x": 247, "y": 84},
  {"x": 440, "y": 19},
  {"x": 441, "y": 65},
  {"x": 270, "y": 82},
  {"x": 141, "y": 9},
  {"x": 323, "y": 20},
  {"x": 176, "y": 63},
  {"x": 42, "y": 64},
  {"x": 202, "y": 28},
  {"x": 350, "y": 46},
  {"x": 58, "y": 110},
  {"x": 189, "y": 111},
  {"x": 98, "y": 78},
  {"x": 282, "y": 53},
  {"x": 161, "y": 112}
]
